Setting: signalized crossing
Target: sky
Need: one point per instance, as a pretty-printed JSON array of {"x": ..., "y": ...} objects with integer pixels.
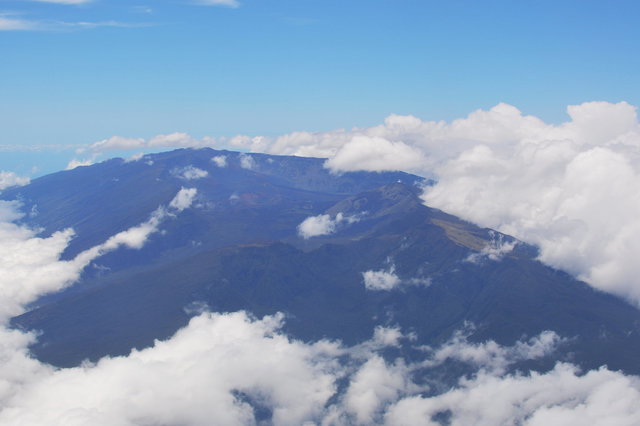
[{"x": 75, "y": 72}]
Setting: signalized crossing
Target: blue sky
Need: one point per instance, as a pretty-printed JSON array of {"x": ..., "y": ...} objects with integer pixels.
[{"x": 78, "y": 73}]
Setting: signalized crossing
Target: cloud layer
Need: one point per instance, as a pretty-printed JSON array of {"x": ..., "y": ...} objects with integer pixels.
[{"x": 240, "y": 370}]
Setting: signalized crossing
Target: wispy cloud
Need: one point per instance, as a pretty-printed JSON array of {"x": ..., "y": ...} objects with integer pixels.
[
  {"x": 100, "y": 24},
  {"x": 7, "y": 23},
  {"x": 227, "y": 3},
  {"x": 11, "y": 22},
  {"x": 73, "y": 2},
  {"x": 142, "y": 9}
]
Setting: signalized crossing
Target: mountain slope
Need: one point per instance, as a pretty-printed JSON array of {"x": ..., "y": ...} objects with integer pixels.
[
  {"x": 389, "y": 261},
  {"x": 396, "y": 262}
]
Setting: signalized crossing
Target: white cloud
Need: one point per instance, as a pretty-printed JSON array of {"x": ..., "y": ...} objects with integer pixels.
[
  {"x": 190, "y": 173},
  {"x": 247, "y": 161},
  {"x": 490, "y": 356},
  {"x": 192, "y": 378},
  {"x": 559, "y": 397},
  {"x": 572, "y": 189},
  {"x": 183, "y": 199},
  {"x": 375, "y": 154},
  {"x": 74, "y": 163},
  {"x": 10, "y": 23},
  {"x": 65, "y": 1},
  {"x": 220, "y": 161},
  {"x": 387, "y": 279},
  {"x": 324, "y": 224},
  {"x": 227, "y": 3},
  {"x": 135, "y": 157},
  {"x": 172, "y": 140},
  {"x": 316, "y": 225},
  {"x": 373, "y": 386},
  {"x": 115, "y": 143},
  {"x": 15, "y": 24},
  {"x": 495, "y": 250},
  {"x": 381, "y": 280},
  {"x": 9, "y": 179}
]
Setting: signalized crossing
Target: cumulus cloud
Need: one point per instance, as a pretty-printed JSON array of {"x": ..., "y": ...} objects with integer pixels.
[
  {"x": 183, "y": 199},
  {"x": 9, "y": 179},
  {"x": 317, "y": 225},
  {"x": 560, "y": 397},
  {"x": 190, "y": 173},
  {"x": 247, "y": 161},
  {"x": 214, "y": 372},
  {"x": 373, "y": 386},
  {"x": 571, "y": 189},
  {"x": 381, "y": 280},
  {"x": 490, "y": 356},
  {"x": 375, "y": 154},
  {"x": 208, "y": 370},
  {"x": 324, "y": 224},
  {"x": 220, "y": 161}
]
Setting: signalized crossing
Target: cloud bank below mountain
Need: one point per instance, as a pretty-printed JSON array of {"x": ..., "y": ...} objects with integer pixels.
[{"x": 233, "y": 367}]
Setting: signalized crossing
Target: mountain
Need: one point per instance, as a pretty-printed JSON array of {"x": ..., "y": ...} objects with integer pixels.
[{"x": 390, "y": 261}]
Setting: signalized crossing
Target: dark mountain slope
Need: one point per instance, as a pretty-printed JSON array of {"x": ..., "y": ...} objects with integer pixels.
[{"x": 445, "y": 280}]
